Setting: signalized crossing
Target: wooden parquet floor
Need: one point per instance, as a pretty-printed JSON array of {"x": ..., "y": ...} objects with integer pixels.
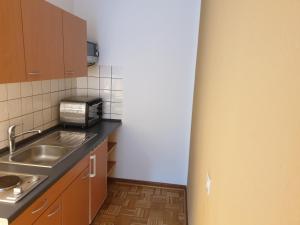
[{"x": 135, "y": 204}]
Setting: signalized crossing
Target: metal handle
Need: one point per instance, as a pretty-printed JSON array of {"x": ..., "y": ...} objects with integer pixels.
[
  {"x": 33, "y": 73},
  {"x": 42, "y": 207},
  {"x": 93, "y": 164},
  {"x": 54, "y": 212}
]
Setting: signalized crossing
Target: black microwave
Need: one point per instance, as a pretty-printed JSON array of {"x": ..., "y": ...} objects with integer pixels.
[{"x": 92, "y": 53}]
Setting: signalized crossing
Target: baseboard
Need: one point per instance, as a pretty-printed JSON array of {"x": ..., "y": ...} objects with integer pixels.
[{"x": 149, "y": 183}]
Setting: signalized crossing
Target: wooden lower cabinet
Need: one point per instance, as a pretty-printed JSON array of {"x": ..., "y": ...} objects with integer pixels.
[
  {"x": 75, "y": 201},
  {"x": 76, "y": 198},
  {"x": 52, "y": 216},
  {"x": 98, "y": 178}
]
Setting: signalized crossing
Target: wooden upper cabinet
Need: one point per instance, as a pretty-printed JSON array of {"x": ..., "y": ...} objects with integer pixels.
[
  {"x": 98, "y": 179},
  {"x": 75, "y": 45},
  {"x": 43, "y": 40},
  {"x": 12, "y": 65}
]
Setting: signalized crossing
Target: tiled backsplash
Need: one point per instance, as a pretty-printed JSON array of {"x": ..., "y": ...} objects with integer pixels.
[
  {"x": 32, "y": 105},
  {"x": 107, "y": 82}
]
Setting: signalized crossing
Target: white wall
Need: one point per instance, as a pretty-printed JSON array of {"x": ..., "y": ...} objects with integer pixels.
[
  {"x": 155, "y": 43},
  {"x": 67, "y": 5}
]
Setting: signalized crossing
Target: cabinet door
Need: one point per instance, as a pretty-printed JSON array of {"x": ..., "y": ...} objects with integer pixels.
[
  {"x": 12, "y": 65},
  {"x": 75, "y": 45},
  {"x": 75, "y": 201},
  {"x": 98, "y": 178},
  {"x": 52, "y": 216},
  {"x": 43, "y": 40}
]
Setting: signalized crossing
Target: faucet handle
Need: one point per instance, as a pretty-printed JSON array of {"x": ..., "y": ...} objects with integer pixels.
[{"x": 12, "y": 130}]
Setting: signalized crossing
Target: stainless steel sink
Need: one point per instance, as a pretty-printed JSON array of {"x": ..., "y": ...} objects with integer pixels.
[
  {"x": 49, "y": 150},
  {"x": 43, "y": 155}
]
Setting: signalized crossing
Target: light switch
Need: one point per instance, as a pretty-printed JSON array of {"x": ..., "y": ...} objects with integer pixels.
[{"x": 208, "y": 184}]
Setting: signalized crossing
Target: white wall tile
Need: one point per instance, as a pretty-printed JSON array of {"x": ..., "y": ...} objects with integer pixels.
[
  {"x": 46, "y": 101},
  {"x": 61, "y": 95},
  {"x": 27, "y": 105},
  {"x": 54, "y": 85},
  {"x": 14, "y": 108},
  {"x": 82, "y": 82},
  {"x": 94, "y": 71},
  {"x": 13, "y": 90},
  {"x": 73, "y": 83},
  {"x": 27, "y": 122},
  {"x": 93, "y": 83},
  {"x": 3, "y": 130},
  {"x": 47, "y": 113},
  {"x": 105, "y": 95},
  {"x": 105, "y": 83},
  {"x": 38, "y": 119},
  {"x": 3, "y": 111},
  {"x": 54, "y": 113},
  {"x": 46, "y": 86},
  {"x": 61, "y": 84},
  {"x": 116, "y": 117},
  {"x": 37, "y": 102},
  {"x": 116, "y": 108},
  {"x": 69, "y": 83},
  {"x": 106, "y": 107},
  {"x": 3, "y": 92},
  {"x": 117, "y": 85},
  {"x": 117, "y": 96},
  {"x": 26, "y": 89},
  {"x": 106, "y": 116},
  {"x": 54, "y": 99},
  {"x": 105, "y": 70},
  {"x": 69, "y": 93},
  {"x": 93, "y": 93},
  {"x": 81, "y": 92},
  {"x": 37, "y": 87}
]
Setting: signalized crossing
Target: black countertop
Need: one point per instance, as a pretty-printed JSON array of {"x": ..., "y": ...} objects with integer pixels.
[{"x": 10, "y": 211}]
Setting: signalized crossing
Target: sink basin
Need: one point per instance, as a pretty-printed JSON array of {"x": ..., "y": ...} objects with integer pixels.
[
  {"x": 41, "y": 155},
  {"x": 49, "y": 150}
]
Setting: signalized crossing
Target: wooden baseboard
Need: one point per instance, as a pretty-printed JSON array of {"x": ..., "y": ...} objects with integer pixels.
[{"x": 149, "y": 183}]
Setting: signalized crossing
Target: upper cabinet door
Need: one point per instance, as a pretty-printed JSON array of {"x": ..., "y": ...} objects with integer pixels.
[
  {"x": 75, "y": 45},
  {"x": 12, "y": 65},
  {"x": 43, "y": 40}
]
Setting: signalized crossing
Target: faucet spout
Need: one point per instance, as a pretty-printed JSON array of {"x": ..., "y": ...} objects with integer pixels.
[{"x": 12, "y": 137}]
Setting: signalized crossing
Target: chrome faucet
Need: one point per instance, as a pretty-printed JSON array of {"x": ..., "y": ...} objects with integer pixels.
[{"x": 12, "y": 137}]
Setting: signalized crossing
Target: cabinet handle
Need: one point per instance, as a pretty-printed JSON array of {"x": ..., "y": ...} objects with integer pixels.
[
  {"x": 42, "y": 207},
  {"x": 54, "y": 212},
  {"x": 34, "y": 73},
  {"x": 70, "y": 72},
  {"x": 93, "y": 164}
]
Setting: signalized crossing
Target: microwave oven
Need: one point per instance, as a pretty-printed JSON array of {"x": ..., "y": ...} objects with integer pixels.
[{"x": 92, "y": 53}]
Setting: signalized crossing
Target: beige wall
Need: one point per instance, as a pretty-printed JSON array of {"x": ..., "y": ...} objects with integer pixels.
[{"x": 246, "y": 119}]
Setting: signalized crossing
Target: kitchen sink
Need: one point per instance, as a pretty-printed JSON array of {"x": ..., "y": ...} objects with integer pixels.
[
  {"x": 42, "y": 155},
  {"x": 49, "y": 150}
]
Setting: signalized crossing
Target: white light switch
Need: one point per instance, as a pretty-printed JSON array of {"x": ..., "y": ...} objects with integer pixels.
[{"x": 208, "y": 184}]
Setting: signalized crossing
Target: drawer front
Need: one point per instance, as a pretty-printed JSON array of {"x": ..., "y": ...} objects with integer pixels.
[
  {"x": 33, "y": 212},
  {"x": 52, "y": 216}
]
